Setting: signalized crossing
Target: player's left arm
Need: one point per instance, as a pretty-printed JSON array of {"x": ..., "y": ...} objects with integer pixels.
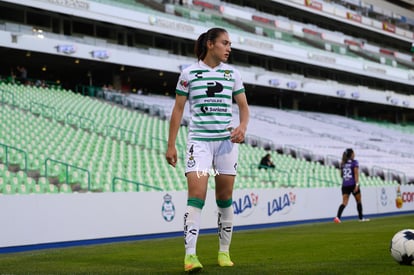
[
  {"x": 239, "y": 132},
  {"x": 356, "y": 175}
]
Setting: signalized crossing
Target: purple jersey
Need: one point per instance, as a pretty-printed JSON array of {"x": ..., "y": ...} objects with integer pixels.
[{"x": 348, "y": 172}]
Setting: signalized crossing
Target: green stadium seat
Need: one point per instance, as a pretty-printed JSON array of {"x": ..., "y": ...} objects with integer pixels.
[
  {"x": 37, "y": 189},
  {"x": 130, "y": 187},
  {"x": 2, "y": 184},
  {"x": 65, "y": 188},
  {"x": 14, "y": 180},
  {"x": 107, "y": 187},
  {"x": 22, "y": 189},
  {"x": 9, "y": 189},
  {"x": 21, "y": 177},
  {"x": 52, "y": 189},
  {"x": 119, "y": 187},
  {"x": 54, "y": 170},
  {"x": 3, "y": 169},
  {"x": 30, "y": 183}
]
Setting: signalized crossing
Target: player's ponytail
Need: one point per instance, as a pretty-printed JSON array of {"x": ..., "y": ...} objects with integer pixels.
[
  {"x": 200, "y": 47},
  {"x": 344, "y": 159},
  {"x": 346, "y": 155}
]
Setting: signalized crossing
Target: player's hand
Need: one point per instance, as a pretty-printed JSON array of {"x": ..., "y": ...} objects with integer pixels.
[
  {"x": 356, "y": 188},
  {"x": 171, "y": 156},
  {"x": 237, "y": 135}
]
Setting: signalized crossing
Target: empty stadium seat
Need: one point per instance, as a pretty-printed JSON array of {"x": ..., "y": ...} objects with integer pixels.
[{"x": 107, "y": 157}]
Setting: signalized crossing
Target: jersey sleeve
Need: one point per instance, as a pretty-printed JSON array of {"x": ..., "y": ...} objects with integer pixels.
[
  {"x": 356, "y": 164},
  {"x": 238, "y": 83},
  {"x": 183, "y": 84}
]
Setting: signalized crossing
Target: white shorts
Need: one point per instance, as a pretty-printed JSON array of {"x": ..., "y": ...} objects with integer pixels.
[{"x": 212, "y": 158}]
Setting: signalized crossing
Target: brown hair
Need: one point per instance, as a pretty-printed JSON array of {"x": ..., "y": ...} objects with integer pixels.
[
  {"x": 346, "y": 155},
  {"x": 200, "y": 47}
]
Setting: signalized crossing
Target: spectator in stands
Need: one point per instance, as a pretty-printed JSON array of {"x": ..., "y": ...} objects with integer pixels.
[
  {"x": 22, "y": 74},
  {"x": 104, "y": 88},
  {"x": 350, "y": 184},
  {"x": 111, "y": 88},
  {"x": 267, "y": 162},
  {"x": 212, "y": 141},
  {"x": 41, "y": 83}
]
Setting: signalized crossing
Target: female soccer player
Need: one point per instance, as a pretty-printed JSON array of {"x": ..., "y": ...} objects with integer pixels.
[
  {"x": 210, "y": 86},
  {"x": 350, "y": 177}
]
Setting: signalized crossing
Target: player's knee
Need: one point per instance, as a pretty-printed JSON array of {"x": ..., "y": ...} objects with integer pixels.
[
  {"x": 196, "y": 202},
  {"x": 224, "y": 203}
]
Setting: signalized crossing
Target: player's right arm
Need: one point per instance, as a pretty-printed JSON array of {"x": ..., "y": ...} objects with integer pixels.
[{"x": 175, "y": 122}]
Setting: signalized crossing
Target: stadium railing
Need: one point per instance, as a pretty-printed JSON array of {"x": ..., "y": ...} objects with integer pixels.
[{"x": 70, "y": 175}]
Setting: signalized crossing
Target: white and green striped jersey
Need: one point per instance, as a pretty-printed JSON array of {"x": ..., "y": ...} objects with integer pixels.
[{"x": 210, "y": 93}]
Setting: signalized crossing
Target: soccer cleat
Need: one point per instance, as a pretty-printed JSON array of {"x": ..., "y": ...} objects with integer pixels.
[
  {"x": 364, "y": 220},
  {"x": 224, "y": 259},
  {"x": 337, "y": 220},
  {"x": 192, "y": 264}
]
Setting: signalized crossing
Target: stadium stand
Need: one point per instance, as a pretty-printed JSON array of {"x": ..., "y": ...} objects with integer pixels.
[
  {"x": 283, "y": 130},
  {"x": 299, "y": 30},
  {"x": 63, "y": 153},
  {"x": 278, "y": 27}
]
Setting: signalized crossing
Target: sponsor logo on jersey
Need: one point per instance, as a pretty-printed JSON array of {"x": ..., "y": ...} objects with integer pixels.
[
  {"x": 213, "y": 88},
  {"x": 204, "y": 109}
]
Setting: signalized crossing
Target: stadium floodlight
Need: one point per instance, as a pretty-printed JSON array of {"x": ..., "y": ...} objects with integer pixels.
[{"x": 38, "y": 33}]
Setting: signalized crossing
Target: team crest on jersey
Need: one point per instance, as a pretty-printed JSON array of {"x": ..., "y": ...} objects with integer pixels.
[
  {"x": 227, "y": 75},
  {"x": 183, "y": 83},
  {"x": 191, "y": 162}
]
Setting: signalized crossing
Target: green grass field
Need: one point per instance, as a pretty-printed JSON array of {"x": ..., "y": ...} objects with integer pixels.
[{"x": 351, "y": 247}]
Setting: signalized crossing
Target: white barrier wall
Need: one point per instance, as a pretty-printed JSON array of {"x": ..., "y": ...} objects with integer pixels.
[{"x": 45, "y": 219}]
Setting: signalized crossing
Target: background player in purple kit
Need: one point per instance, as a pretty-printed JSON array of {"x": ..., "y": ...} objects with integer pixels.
[{"x": 350, "y": 176}]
